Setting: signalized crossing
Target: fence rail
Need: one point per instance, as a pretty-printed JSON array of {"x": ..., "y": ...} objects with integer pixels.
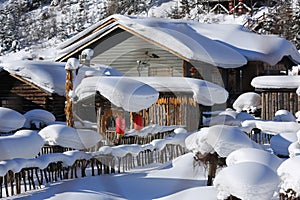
[{"x": 31, "y": 178}]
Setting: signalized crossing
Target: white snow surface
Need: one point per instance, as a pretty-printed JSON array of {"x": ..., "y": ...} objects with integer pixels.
[
  {"x": 22, "y": 144},
  {"x": 67, "y": 158},
  {"x": 247, "y": 181},
  {"x": 136, "y": 93},
  {"x": 10, "y": 120},
  {"x": 276, "y": 82},
  {"x": 38, "y": 117},
  {"x": 65, "y": 136},
  {"x": 280, "y": 143},
  {"x": 210, "y": 43},
  {"x": 254, "y": 155},
  {"x": 204, "y": 92},
  {"x": 153, "y": 129},
  {"x": 222, "y": 139},
  {"x": 272, "y": 127},
  {"x": 284, "y": 116},
  {"x": 249, "y": 101},
  {"x": 289, "y": 174},
  {"x": 129, "y": 94},
  {"x": 50, "y": 76},
  {"x": 226, "y": 139},
  {"x": 294, "y": 149}
]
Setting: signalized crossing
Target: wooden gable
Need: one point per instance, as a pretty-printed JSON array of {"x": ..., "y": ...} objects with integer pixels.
[{"x": 22, "y": 96}]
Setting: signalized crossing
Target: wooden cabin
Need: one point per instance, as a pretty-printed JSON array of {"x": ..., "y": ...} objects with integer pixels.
[
  {"x": 18, "y": 93},
  {"x": 169, "y": 110},
  {"x": 140, "y": 46},
  {"x": 278, "y": 93},
  {"x": 164, "y": 101}
]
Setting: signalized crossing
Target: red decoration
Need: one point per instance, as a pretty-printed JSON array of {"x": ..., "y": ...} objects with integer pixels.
[
  {"x": 120, "y": 125},
  {"x": 193, "y": 70},
  {"x": 138, "y": 122}
]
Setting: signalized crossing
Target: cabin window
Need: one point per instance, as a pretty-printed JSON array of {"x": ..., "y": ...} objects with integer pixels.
[{"x": 160, "y": 71}]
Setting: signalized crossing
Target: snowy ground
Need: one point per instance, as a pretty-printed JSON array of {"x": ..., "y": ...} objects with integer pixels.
[{"x": 176, "y": 180}]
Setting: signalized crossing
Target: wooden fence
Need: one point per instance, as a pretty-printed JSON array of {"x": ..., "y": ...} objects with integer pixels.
[
  {"x": 277, "y": 99},
  {"x": 135, "y": 139},
  {"x": 13, "y": 183}
]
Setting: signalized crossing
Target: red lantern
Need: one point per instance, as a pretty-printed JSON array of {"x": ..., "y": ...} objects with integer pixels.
[
  {"x": 138, "y": 122},
  {"x": 193, "y": 71},
  {"x": 120, "y": 125}
]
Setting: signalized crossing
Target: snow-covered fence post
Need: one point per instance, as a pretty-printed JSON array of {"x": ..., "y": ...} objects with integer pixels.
[{"x": 72, "y": 64}]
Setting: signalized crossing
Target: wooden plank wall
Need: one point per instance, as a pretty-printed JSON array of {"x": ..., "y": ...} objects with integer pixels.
[
  {"x": 274, "y": 100},
  {"x": 23, "y": 97},
  {"x": 180, "y": 110}
]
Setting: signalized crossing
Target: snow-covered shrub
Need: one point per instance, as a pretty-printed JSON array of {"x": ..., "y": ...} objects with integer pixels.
[
  {"x": 10, "y": 120},
  {"x": 247, "y": 181},
  {"x": 249, "y": 101},
  {"x": 23, "y": 144},
  {"x": 38, "y": 118}
]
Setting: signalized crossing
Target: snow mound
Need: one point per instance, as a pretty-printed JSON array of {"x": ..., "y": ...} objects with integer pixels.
[
  {"x": 197, "y": 142},
  {"x": 65, "y": 136},
  {"x": 39, "y": 118},
  {"x": 254, "y": 155},
  {"x": 226, "y": 139},
  {"x": 23, "y": 144},
  {"x": 271, "y": 127},
  {"x": 281, "y": 142},
  {"x": 294, "y": 149},
  {"x": 289, "y": 174},
  {"x": 284, "y": 116},
  {"x": 249, "y": 101},
  {"x": 152, "y": 129},
  {"x": 247, "y": 181},
  {"x": 10, "y": 120},
  {"x": 221, "y": 119},
  {"x": 222, "y": 139}
]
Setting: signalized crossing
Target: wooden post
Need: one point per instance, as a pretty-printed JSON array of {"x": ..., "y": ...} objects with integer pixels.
[{"x": 69, "y": 104}]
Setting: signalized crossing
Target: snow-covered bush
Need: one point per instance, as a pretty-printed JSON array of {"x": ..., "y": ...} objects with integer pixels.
[
  {"x": 249, "y": 101},
  {"x": 65, "y": 136},
  {"x": 38, "y": 118},
  {"x": 23, "y": 144},
  {"x": 247, "y": 181},
  {"x": 10, "y": 120}
]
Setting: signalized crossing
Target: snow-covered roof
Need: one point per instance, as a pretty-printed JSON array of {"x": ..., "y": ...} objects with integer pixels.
[
  {"x": 136, "y": 93},
  {"x": 276, "y": 82},
  {"x": 223, "y": 45},
  {"x": 51, "y": 76}
]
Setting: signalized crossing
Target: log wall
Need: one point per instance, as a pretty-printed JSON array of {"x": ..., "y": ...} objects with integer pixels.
[
  {"x": 274, "y": 100},
  {"x": 23, "y": 96}
]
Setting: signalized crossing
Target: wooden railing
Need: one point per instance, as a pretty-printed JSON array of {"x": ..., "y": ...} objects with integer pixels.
[{"x": 31, "y": 178}]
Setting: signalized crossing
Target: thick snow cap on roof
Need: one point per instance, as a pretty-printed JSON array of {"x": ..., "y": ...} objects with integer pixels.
[
  {"x": 50, "y": 76},
  {"x": 137, "y": 93},
  {"x": 276, "y": 82},
  {"x": 223, "y": 45},
  {"x": 129, "y": 94},
  {"x": 204, "y": 92}
]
